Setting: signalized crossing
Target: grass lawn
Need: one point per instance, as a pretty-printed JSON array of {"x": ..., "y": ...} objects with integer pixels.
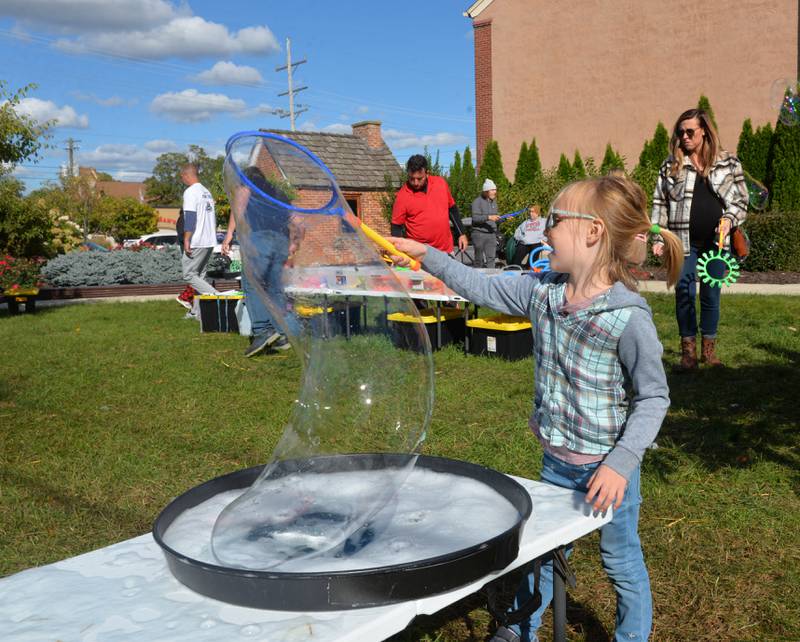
[{"x": 108, "y": 411}]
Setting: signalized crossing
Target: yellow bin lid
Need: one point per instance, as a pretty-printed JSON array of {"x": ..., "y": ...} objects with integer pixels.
[
  {"x": 207, "y": 297},
  {"x": 427, "y": 316},
  {"x": 310, "y": 311},
  {"x": 502, "y": 322}
]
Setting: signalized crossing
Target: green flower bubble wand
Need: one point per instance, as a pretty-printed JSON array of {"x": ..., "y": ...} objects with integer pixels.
[{"x": 731, "y": 273}]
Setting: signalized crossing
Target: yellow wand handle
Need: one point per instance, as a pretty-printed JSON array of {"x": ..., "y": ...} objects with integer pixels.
[
  {"x": 721, "y": 234},
  {"x": 385, "y": 245}
]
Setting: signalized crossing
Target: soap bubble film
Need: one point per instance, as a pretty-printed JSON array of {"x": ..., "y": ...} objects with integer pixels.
[
  {"x": 785, "y": 99},
  {"x": 366, "y": 387}
]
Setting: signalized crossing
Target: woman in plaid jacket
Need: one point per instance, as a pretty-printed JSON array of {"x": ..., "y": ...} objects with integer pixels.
[{"x": 700, "y": 188}]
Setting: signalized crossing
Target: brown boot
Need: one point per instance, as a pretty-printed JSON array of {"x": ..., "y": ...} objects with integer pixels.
[
  {"x": 688, "y": 354},
  {"x": 708, "y": 353}
]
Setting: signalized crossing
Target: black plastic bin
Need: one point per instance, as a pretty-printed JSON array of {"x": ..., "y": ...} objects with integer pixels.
[
  {"x": 404, "y": 328},
  {"x": 218, "y": 312},
  {"x": 501, "y": 336}
]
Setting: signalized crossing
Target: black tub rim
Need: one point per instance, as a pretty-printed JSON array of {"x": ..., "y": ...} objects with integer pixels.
[{"x": 204, "y": 491}]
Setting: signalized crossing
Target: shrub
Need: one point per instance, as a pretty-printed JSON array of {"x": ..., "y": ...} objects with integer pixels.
[
  {"x": 146, "y": 266},
  {"x": 19, "y": 273},
  {"x": 492, "y": 167},
  {"x": 775, "y": 241}
]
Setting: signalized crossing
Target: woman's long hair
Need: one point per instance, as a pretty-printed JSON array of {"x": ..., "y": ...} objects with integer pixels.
[{"x": 711, "y": 145}]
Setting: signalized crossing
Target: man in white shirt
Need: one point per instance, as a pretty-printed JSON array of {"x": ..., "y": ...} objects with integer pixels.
[{"x": 199, "y": 236}]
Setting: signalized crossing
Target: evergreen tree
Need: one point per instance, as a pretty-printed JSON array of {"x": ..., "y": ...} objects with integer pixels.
[
  {"x": 454, "y": 179},
  {"x": 611, "y": 161},
  {"x": 522, "y": 174},
  {"x": 785, "y": 169},
  {"x": 469, "y": 180},
  {"x": 659, "y": 149},
  {"x": 492, "y": 166},
  {"x": 705, "y": 105},
  {"x": 534, "y": 162},
  {"x": 744, "y": 148},
  {"x": 564, "y": 170},
  {"x": 578, "y": 168},
  {"x": 654, "y": 153}
]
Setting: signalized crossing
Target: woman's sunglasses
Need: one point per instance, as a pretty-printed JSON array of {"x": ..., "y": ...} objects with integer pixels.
[
  {"x": 554, "y": 216},
  {"x": 686, "y": 132}
]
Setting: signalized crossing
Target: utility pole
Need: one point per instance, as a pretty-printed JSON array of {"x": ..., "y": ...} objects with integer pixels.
[
  {"x": 289, "y": 67},
  {"x": 71, "y": 148}
]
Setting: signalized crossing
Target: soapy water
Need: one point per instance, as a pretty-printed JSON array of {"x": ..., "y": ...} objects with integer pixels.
[
  {"x": 432, "y": 514},
  {"x": 362, "y": 391},
  {"x": 785, "y": 99}
]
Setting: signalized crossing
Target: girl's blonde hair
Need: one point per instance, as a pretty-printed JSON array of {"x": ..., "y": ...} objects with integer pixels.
[
  {"x": 622, "y": 206},
  {"x": 711, "y": 145}
]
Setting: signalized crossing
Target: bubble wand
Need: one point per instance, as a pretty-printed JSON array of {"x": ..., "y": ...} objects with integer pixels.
[
  {"x": 731, "y": 264},
  {"x": 380, "y": 241}
]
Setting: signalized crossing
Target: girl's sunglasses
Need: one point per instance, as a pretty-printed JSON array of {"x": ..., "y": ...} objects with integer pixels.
[
  {"x": 554, "y": 216},
  {"x": 686, "y": 132}
]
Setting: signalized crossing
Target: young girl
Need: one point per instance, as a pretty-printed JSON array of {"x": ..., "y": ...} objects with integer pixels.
[
  {"x": 529, "y": 236},
  {"x": 601, "y": 393}
]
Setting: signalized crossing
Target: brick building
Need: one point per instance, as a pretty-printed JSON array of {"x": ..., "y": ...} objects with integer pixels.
[
  {"x": 360, "y": 162},
  {"x": 579, "y": 75}
]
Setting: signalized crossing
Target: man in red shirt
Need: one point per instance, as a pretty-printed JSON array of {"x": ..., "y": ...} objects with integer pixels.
[{"x": 424, "y": 207}]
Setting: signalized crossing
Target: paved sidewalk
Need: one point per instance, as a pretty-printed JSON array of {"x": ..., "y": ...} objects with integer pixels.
[
  {"x": 789, "y": 289},
  {"x": 792, "y": 289}
]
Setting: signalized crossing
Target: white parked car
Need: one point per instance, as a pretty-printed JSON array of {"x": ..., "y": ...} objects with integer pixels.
[{"x": 163, "y": 238}]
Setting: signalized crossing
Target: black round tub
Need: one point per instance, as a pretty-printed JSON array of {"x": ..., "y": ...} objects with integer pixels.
[{"x": 338, "y": 590}]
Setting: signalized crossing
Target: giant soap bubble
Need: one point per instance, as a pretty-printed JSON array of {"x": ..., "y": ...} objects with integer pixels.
[
  {"x": 785, "y": 98},
  {"x": 362, "y": 390}
]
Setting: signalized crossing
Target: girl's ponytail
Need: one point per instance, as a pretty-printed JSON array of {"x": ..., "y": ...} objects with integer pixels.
[{"x": 673, "y": 253}]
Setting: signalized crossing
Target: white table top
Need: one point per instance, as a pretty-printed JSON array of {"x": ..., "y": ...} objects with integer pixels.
[{"x": 125, "y": 593}]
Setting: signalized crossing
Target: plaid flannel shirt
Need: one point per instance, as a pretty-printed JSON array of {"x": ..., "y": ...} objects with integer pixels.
[
  {"x": 581, "y": 402},
  {"x": 672, "y": 199}
]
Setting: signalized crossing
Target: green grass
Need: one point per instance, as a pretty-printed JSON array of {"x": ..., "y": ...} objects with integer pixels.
[{"x": 108, "y": 411}]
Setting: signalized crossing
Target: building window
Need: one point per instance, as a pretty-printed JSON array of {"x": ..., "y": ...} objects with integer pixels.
[{"x": 354, "y": 203}]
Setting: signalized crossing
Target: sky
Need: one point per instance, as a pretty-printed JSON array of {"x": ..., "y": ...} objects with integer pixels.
[{"x": 131, "y": 79}]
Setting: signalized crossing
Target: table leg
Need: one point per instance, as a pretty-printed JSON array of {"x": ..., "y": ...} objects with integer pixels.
[
  {"x": 466, "y": 328},
  {"x": 438, "y": 325},
  {"x": 559, "y": 607},
  {"x": 562, "y": 574},
  {"x": 347, "y": 317}
]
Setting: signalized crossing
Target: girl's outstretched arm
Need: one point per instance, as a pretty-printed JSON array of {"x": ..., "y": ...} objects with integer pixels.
[{"x": 509, "y": 295}]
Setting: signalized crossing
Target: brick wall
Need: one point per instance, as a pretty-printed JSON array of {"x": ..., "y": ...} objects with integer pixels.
[
  {"x": 370, "y": 131},
  {"x": 483, "y": 86}
]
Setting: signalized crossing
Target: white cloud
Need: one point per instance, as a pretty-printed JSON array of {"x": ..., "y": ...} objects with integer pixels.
[
  {"x": 228, "y": 73},
  {"x": 338, "y": 128},
  {"x": 362, "y": 109},
  {"x": 111, "y": 101},
  {"x": 404, "y": 140},
  {"x": 44, "y": 110},
  {"x": 182, "y": 37},
  {"x": 92, "y": 15},
  {"x": 161, "y": 146},
  {"x": 191, "y": 106},
  {"x": 126, "y": 175},
  {"x": 333, "y": 128},
  {"x": 130, "y": 162}
]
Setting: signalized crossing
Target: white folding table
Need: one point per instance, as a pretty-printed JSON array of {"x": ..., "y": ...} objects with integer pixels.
[{"x": 125, "y": 593}]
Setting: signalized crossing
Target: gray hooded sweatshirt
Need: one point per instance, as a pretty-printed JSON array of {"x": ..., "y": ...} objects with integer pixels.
[{"x": 600, "y": 384}]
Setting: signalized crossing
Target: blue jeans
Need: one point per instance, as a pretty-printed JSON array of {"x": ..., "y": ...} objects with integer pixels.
[
  {"x": 263, "y": 257},
  {"x": 621, "y": 552},
  {"x": 685, "y": 292}
]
